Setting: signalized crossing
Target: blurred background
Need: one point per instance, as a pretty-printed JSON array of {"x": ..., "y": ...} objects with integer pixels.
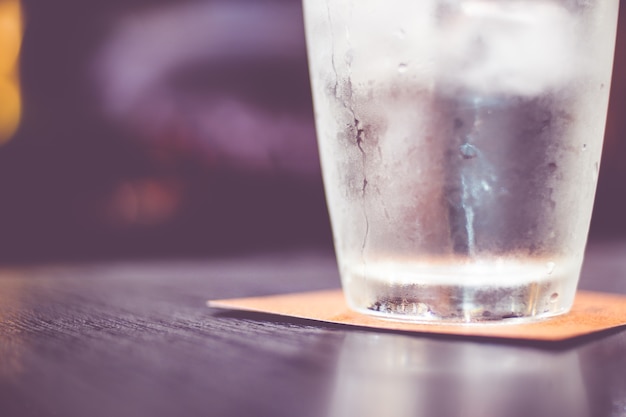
[{"x": 163, "y": 128}]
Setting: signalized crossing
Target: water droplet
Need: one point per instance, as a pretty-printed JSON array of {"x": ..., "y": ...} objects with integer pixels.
[
  {"x": 550, "y": 267},
  {"x": 349, "y": 56},
  {"x": 468, "y": 151},
  {"x": 554, "y": 297},
  {"x": 584, "y": 147},
  {"x": 552, "y": 166},
  {"x": 402, "y": 67}
]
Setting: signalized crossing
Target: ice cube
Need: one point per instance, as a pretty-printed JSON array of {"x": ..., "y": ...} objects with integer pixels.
[{"x": 515, "y": 47}]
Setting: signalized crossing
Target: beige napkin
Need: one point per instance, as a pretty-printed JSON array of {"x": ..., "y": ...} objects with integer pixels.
[{"x": 592, "y": 312}]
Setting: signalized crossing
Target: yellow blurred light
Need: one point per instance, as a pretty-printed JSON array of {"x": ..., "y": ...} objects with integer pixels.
[
  {"x": 10, "y": 34},
  {"x": 10, "y": 42}
]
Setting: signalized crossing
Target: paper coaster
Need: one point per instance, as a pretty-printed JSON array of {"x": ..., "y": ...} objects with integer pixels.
[{"x": 592, "y": 312}]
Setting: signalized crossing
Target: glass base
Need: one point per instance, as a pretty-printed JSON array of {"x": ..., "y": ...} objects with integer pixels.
[{"x": 435, "y": 299}]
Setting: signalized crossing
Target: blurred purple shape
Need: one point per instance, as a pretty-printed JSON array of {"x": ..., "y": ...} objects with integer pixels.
[{"x": 227, "y": 78}]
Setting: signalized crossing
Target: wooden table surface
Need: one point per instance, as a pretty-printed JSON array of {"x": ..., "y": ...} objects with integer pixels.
[{"x": 136, "y": 339}]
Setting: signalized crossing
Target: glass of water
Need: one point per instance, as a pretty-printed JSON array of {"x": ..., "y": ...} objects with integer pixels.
[{"x": 460, "y": 143}]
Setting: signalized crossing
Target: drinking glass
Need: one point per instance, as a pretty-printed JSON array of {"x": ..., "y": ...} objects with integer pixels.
[{"x": 460, "y": 143}]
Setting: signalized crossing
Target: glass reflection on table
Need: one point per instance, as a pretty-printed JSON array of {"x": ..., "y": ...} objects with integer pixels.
[{"x": 397, "y": 375}]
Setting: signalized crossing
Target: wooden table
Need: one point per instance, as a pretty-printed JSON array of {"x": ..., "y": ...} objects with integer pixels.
[{"x": 136, "y": 339}]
